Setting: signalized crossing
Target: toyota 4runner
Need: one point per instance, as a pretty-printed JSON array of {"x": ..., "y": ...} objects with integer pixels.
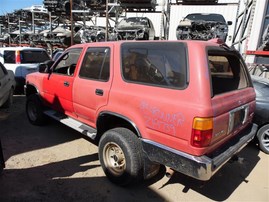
[{"x": 187, "y": 105}]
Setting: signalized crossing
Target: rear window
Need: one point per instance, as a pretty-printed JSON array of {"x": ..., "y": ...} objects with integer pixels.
[
  {"x": 27, "y": 56},
  {"x": 30, "y": 56},
  {"x": 228, "y": 72},
  {"x": 162, "y": 64}
]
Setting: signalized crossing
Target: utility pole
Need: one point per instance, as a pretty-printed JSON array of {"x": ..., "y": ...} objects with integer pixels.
[
  {"x": 71, "y": 19},
  {"x": 33, "y": 22},
  {"x": 106, "y": 34}
]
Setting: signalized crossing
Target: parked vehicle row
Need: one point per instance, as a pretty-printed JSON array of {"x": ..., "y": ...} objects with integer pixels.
[{"x": 195, "y": 26}]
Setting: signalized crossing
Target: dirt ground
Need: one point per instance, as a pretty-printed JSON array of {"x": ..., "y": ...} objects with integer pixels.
[{"x": 55, "y": 163}]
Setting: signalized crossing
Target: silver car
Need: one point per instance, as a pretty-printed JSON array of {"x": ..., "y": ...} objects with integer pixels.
[{"x": 7, "y": 85}]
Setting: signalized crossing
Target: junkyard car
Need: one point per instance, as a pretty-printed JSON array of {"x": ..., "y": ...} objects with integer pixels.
[
  {"x": 187, "y": 105},
  {"x": 7, "y": 85},
  {"x": 201, "y": 26},
  {"x": 140, "y": 28},
  {"x": 261, "y": 117}
]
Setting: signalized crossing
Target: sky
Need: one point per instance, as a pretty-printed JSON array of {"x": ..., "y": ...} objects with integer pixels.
[{"x": 8, "y": 6}]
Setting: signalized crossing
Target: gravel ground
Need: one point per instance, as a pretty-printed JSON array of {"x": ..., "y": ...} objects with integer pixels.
[{"x": 55, "y": 163}]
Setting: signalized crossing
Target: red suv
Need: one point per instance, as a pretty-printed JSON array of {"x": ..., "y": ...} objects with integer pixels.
[{"x": 185, "y": 104}]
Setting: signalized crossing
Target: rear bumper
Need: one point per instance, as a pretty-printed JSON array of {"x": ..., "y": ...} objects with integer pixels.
[{"x": 199, "y": 167}]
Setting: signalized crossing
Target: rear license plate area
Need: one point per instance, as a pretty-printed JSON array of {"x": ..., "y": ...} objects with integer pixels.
[{"x": 238, "y": 117}]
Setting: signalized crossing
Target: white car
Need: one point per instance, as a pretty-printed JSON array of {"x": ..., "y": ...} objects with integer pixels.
[
  {"x": 7, "y": 86},
  {"x": 22, "y": 61}
]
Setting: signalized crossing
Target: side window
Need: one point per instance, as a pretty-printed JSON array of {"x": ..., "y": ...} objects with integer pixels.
[
  {"x": 68, "y": 62},
  {"x": 162, "y": 64},
  {"x": 227, "y": 72},
  {"x": 96, "y": 64},
  {"x": 9, "y": 57}
]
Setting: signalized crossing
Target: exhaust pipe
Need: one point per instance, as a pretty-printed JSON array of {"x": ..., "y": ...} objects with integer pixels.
[{"x": 169, "y": 172}]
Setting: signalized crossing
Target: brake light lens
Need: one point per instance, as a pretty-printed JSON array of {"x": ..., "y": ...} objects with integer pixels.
[
  {"x": 202, "y": 130},
  {"x": 17, "y": 57}
]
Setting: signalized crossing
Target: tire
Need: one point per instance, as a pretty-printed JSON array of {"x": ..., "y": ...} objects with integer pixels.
[
  {"x": 9, "y": 101},
  {"x": 2, "y": 160},
  {"x": 34, "y": 110},
  {"x": 121, "y": 156},
  {"x": 263, "y": 138}
]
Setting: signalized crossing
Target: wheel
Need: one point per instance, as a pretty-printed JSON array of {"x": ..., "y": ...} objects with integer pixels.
[
  {"x": 34, "y": 110},
  {"x": 121, "y": 156},
  {"x": 9, "y": 101},
  {"x": 263, "y": 138}
]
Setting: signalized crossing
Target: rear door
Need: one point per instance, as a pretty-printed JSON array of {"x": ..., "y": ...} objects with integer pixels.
[{"x": 92, "y": 85}]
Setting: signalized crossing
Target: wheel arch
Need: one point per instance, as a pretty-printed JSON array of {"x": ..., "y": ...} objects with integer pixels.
[
  {"x": 31, "y": 89},
  {"x": 108, "y": 120}
]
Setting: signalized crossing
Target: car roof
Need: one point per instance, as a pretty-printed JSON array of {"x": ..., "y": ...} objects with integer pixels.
[
  {"x": 21, "y": 48},
  {"x": 212, "y": 42}
]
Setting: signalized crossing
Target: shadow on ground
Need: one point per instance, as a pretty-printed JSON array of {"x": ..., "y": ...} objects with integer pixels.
[
  {"x": 226, "y": 180},
  {"x": 59, "y": 181}
]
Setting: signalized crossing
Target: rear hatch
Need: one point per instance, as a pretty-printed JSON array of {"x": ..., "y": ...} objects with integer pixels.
[
  {"x": 233, "y": 96},
  {"x": 23, "y": 62}
]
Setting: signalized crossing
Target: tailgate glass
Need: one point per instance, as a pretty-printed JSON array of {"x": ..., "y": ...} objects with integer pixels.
[{"x": 228, "y": 71}]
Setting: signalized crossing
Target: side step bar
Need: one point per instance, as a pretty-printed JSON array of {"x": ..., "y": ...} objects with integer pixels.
[{"x": 72, "y": 123}]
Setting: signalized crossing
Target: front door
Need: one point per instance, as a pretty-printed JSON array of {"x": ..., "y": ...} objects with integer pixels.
[{"x": 58, "y": 84}]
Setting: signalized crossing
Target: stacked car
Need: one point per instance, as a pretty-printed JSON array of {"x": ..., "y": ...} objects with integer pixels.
[{"x": 202, "y": 26}]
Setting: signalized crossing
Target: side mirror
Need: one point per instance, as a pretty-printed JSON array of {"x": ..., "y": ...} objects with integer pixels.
[
  {"x": 42, "y": 68},
  {"x": 45, "y": 67},
  {"x": 229, "y": 22}
]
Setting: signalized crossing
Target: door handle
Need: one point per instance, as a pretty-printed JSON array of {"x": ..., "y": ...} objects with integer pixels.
[
  {"x": 99, "y": 92},
  {"x": 66, "y": 83}
]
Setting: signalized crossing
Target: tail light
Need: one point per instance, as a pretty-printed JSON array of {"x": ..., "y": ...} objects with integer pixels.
[
  {"x": 202, "y": 130},
  {"x": 17, "y": 57}
]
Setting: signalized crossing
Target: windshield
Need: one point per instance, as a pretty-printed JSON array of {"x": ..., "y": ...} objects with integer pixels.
[
  {"x": 205, "y": 17},
  {"x": 129, "y": 22}
]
